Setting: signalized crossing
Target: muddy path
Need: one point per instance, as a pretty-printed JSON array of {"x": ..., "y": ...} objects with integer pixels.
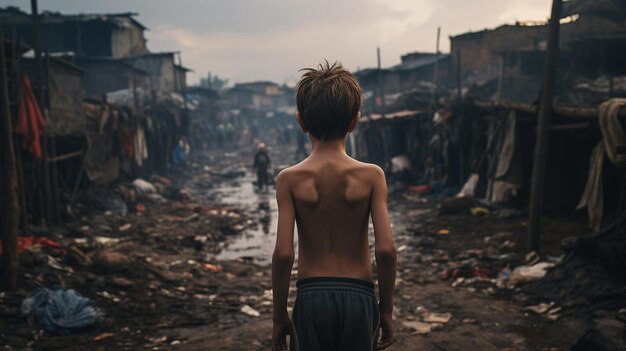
[{"x": 193, "y": 274}]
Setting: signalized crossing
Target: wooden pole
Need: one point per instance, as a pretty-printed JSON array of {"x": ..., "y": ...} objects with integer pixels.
[
  {"x": 543, "y": 130},
  {"x": 47, "y": 210},
  {"x": 17, "y": 76},
  {"x": 500, "y": 77},
  {"x": 53, "y": 166},
  {"x": 459, "y": 76},
  {"x": 8, "y": 174},
  {"x": 379, "y": 82},
  {"x": 436, "y": 68}
]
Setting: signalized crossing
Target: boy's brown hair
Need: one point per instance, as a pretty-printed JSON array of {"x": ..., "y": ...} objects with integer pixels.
[{"x": 328, "y": 99}]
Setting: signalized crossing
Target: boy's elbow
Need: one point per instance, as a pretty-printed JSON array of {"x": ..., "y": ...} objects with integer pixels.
[
  {"x": 283, "y": 257},
  {"x": 386, "y": 252}
]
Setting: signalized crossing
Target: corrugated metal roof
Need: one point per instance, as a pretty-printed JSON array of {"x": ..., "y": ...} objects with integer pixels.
[
  {"x": 419, "y": 62},
  {"x": 121, "y": 20}
]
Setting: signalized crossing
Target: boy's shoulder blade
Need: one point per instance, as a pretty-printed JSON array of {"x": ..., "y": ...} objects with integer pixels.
[
  {"x": 289, "y": 173},
  {"x": 369, "y": 169}
]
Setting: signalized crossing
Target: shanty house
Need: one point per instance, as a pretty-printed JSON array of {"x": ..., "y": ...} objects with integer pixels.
[
  {"x": 164, "y": 75},
  {"x": 64, "y": 96},
  {"x": 414, "y": 68},
  {"x": 104, "y": 75},
  {"x": 477, "y": 52},
  {"x": 255, "y": 95},
  {"x": 506, "y": 63},
  {"x": 108, "y": 35}
]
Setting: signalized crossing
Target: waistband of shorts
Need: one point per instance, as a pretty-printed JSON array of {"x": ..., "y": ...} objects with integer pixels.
[{"x": 335, "y": 284}]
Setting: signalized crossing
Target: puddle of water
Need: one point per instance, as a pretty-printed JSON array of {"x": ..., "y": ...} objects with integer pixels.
[{"x": 258, "y": 239}]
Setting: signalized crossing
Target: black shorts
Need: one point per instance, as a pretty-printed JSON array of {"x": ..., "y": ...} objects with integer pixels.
[{"x": 335, "y": 314}]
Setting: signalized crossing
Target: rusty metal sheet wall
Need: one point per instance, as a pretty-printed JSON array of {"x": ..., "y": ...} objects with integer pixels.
[{"x": 66, "y": 100}]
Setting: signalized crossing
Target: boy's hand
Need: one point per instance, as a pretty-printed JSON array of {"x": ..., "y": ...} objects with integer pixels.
[
  {"x": 387, "y": 334},
  {"x": 279, "y": 335}
]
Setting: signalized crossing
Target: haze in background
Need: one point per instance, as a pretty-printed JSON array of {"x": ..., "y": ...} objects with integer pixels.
[{"x": 245, "y": 40}]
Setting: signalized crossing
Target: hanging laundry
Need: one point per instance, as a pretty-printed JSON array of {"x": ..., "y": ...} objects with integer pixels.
[
  {"x": 30, "y": 122},
  {"x": 140, "y": 146},
  {"x": 128, "y": 142},
  {"x": 612, "y": 136}
]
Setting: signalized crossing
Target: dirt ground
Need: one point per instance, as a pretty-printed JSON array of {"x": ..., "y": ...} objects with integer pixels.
[{"x": 191, "y": 271}]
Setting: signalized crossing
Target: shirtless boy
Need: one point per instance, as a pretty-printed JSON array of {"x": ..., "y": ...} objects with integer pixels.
[{"x": 330, "y": 197}]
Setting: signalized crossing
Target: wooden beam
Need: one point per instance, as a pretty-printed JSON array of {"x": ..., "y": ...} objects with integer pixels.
[
  {"x": 587, "y": 112},
  {"x": 65, "y": 156},
  {"x": 544, "y": 122}
]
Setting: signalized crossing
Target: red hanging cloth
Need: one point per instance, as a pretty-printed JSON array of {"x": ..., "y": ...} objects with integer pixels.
[{"x": 30, "y": 122}]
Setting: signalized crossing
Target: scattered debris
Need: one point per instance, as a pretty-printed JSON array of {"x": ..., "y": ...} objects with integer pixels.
[
  {"x": 419, "y": 328},
  {"x": 523, "y": 274},
  {"x": 103, "y": 336},
  {"x": 539, "y": 309},
  {"x": 432, "y": 317},
  {"x": 60, "y": 311},
  {"x": 443, "y": 232},
  {"x": 246, "y": 309}
]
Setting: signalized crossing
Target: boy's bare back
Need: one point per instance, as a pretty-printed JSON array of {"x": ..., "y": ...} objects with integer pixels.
[
  {"x": 330, "y": 197},
  {"x": 331, "y": 194}
]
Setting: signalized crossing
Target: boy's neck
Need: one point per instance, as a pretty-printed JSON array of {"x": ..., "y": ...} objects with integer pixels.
[{"x": 332, "y": 146}]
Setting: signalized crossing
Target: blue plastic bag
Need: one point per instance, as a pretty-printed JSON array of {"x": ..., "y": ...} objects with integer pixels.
[{"x": 60, "y": 311}]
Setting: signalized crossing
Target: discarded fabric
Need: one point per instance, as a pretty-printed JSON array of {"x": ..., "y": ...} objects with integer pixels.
[
  {"x": 25, "y": 243},
  {"x": 524, "y": 274},
  {"x": 143, "y": 187},
  {"x": 60, "y": 311}
]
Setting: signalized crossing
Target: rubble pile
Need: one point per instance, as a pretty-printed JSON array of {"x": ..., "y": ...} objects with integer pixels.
[
  {"x": 143, "y": 254},
  {"x": 591, "y": 277}
]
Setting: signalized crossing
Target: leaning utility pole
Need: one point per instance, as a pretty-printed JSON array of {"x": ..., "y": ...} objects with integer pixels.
[
  {"x": 544, "y": 122},
  {"x": 8, "y": 175},
  {"x": 436, "y": 68}
]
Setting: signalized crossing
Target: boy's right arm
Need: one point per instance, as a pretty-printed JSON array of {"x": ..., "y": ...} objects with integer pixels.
[
  {"x": 282, "y": 263},
  {"x": 385, "y": 251}
]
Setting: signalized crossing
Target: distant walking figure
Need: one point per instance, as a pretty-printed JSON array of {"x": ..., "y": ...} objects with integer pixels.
[{"x": 261, "y": 165}]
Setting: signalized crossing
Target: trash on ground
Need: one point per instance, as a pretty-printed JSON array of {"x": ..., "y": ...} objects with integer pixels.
[
  {"x": 143, "y": 187},
  {"x": 103, "y": 336},
  {"x": 418, "y": 327},
  {"x": 432, "y": 317},
  {"x": 60, "y": 311},
  {"x": 246, "y": 309},
  {"x": 539, "y": 309},
  {"x": 479, "y": 211},
  {"x": 523, "y": 274}
]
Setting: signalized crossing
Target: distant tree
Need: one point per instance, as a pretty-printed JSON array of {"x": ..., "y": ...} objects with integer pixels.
[{"x": 213, "y": 82}]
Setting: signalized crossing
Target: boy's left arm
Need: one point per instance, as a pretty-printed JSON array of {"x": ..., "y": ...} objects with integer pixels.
[{"x": 282, "y": 263}]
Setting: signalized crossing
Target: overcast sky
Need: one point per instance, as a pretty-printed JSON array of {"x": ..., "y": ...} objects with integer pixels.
[{"x": 245, "y": 40}]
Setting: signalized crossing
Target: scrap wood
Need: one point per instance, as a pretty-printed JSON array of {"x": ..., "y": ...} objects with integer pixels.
[
  {"x": 103, "y": 336},
  {"x": 433, "y": 317}
]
